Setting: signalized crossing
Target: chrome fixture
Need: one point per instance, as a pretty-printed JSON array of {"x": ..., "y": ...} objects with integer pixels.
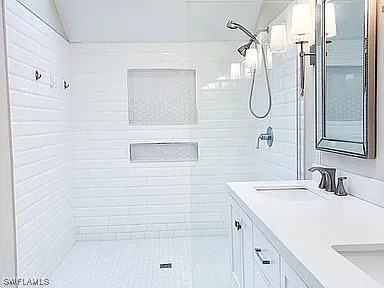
[
  {"x": 302, "y": 55},
  {"x": 328, "y": 178},
  {"x": 268, "y": 136},
  {"x": 233, "y": 25},
  {"x": 301, "y": 32},
  {"x": 243, "y": 51},
  {"x": 340, "y": 190}
]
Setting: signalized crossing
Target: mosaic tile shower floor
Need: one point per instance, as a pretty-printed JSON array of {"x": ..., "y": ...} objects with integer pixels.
[{"x": 200, "y": 262}]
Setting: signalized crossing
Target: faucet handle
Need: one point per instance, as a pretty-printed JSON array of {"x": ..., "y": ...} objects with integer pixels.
[{"x": 340, "y": 190}]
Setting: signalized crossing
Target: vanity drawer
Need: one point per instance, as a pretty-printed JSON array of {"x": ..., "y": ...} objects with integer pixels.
[{"x": 267, "y": 257}]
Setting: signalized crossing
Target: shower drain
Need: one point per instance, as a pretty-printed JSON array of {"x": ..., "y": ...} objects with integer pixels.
[{"x": 165, "y": 265}]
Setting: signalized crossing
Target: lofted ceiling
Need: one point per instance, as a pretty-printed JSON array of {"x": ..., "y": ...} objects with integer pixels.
[{"x": 155, "y": 20}]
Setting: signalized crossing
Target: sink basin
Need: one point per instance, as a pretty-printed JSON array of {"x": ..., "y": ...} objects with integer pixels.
[
  {"x": 368, "y": 258},
  {"x": 289, "y": 194}
]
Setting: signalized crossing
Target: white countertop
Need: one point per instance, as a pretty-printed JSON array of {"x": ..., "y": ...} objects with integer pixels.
[{"x": 304, "y": 232}]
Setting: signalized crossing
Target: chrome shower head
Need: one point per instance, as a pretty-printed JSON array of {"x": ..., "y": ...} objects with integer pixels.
[
  {"x": 243, "y": 49},
  {"x": 232, "y": 25}
]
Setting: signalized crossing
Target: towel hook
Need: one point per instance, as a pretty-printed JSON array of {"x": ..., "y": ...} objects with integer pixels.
[
  {"x": 66, "y": 85},
  {"x": 38, "y": 75}
]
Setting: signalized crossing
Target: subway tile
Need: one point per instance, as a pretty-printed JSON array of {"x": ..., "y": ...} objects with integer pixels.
[{"x": 162, "y": 199}]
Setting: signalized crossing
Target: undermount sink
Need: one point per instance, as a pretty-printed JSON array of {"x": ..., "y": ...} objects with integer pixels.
[
  {"x": 368, "y": 258},
  {"x": 289, "y": 193}
]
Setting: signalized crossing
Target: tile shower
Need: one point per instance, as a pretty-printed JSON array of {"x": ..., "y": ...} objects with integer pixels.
[
  {"x": 155, "y": 198},
  {"x": 117, "y": 161}
]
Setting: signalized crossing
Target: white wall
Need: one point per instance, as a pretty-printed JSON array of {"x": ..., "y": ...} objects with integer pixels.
[
  {"x": 47, "y": 11},
  {"x": 41, "y": 142},
  {"x": 279, "y": 161},
  {"x": 116, "y": 199},
  {"x": 370, "y": 168},
  {"x": 147, "y": 21},
  {"x": 7, "y": 213}
]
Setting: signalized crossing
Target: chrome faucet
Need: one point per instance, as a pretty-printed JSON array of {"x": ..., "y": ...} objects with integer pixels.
[
  {"x": 268, "y": 136},
  {"x": 328, "y": 178}
]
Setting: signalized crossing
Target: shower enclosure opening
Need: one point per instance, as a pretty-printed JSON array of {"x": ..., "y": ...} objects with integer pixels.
[{"x": 125, "y": 136}]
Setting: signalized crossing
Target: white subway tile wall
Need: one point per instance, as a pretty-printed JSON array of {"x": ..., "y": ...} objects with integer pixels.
[
  {"x": 280, "y": 161},
  {"x": 73, "y": 174},
  {"x": 117, "y": 199},
  {"x": 41, "y": 142}
]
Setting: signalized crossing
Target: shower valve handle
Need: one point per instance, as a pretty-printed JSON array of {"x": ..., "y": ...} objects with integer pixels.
[{"x": 268, "y": 136}]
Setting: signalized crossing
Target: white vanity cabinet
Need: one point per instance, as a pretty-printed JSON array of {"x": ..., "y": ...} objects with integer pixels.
[
  {"x": 259, "y": 280},
  {"x": 255, "y": 262},
  {"x": 289, "y": 278},
  {"x": 266, "y": 257},
  {"x": 241, "y": 241}
]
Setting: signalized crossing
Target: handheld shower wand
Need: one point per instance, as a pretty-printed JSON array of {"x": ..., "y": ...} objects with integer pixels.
[
  {"x": 243, "y": 50},
  {"x": 234, "y": 25}
]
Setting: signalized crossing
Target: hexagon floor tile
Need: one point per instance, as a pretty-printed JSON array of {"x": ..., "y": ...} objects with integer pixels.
[{"x": 200, "y": 262}]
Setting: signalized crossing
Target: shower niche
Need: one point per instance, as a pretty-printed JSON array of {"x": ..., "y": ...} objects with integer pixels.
[
  {"x": 162, "y": 97},
  {"x": 164, "y": 152}
]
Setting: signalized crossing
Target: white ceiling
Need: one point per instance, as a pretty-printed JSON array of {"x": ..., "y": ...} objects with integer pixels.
[{"x": 155, "y": 20}]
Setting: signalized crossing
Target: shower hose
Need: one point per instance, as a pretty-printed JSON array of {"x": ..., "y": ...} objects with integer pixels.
[{"x": 268, "y": 88}]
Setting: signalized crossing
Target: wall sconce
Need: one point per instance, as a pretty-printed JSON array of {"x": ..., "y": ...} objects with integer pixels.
[
  {"x": 235, "y": 72},
  {"x": 302, "y": 27},
  {"x": 278, "y": 41},
  {"x": 251, "y": 58},
  {"x": 302, "y": 31}
]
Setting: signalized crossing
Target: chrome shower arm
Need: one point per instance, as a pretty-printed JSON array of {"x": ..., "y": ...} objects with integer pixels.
[
  {"x": 249, "y": 34},
  {"x": 263, "y": 30}
]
